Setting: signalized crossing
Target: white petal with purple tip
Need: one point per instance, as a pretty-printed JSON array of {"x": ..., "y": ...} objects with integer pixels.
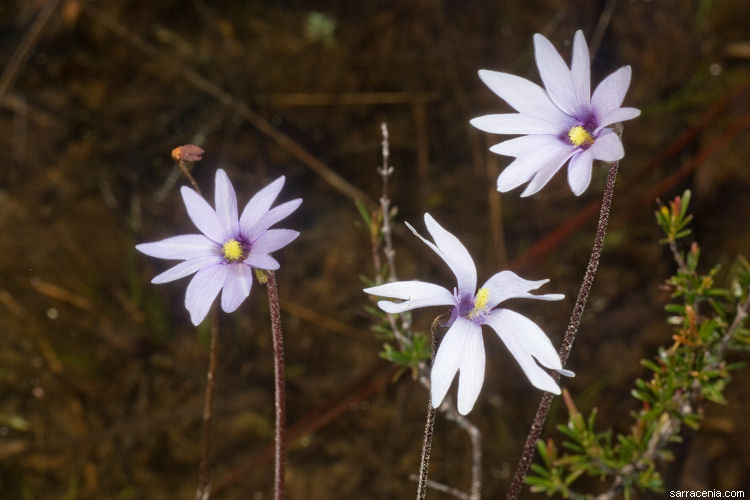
[
  {"x": 523, "y": 95},
  {"x": 237, "y": 286},
  {"x": 226, "y": 204},
  {"x": 526, "y": 144},
  {"x": 203, "y": 289},
  {"x": 203, "y": 216},
  {"x": 607, "y": 147},
  {"x": 273, "y": 239},
  {"x": 508, "y": 285},
  {"x": 409, "y": 290},
  {"x": 609, "y": 94},
  {"x": 259, "y": 204},
  {"x": 262, "y": 260},
  {"x": 580, "y": 72},
  {"x": 542, "y": 177},
  {"x": 526, "y": 166},
  {"x": 618, "y": 115},
  {"x": 183, "y": 247},
  {"x": 185, "y": 268}
]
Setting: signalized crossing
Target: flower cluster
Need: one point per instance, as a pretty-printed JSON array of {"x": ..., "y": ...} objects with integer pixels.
[
  {"x": 223, "y": 257},
  {"x": 561, "y": 122},
  {"x": 462, "y": 348}
]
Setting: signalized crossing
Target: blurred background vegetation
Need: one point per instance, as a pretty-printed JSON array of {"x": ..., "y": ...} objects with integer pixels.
[{"x": 101, "y": 373}]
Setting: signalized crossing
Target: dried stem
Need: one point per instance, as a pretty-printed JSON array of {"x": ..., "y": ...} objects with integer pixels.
[
  {"x": 527, "y": 454},
  {"x": 442, "y": 488},
  {"x": 204, "y": 481},
  {"x": 429, "y": 425},
  {"x": 278, "y": 372}
]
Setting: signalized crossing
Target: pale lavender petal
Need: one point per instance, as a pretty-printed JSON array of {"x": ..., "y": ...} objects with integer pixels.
[
  {"x": 226, "y": 203},
  {"x": 580, "y": 71},
  {"x": 555, "y": 75},
  {"x": 259, "y": 204},
  {"x": 579, "y": 171},
  {"x": 525, "y": 339},
  {"x": 607, "y": 147},
  {"x": 471, "y": 371},
  {"x": 517, "y": 123},
  {"x": 237, "y": 286},
  {"x": 508, "y": 285},
  {"x": 273, "y": 239},
  {"x": 261, "y": 261},
  {"x": 523, "y": 95},
  {"x": 525, "y": 144},
  {"x": 448, "y": 357},
  {"x": 410, "y": 290},
  {"x": 186, "y": 268},
  {"x": 523, "y": 168},
  {"x": 545, "y": 174},
  {"x": 609, "y": 94},
  {"x": 452, "y": 251},
  {"x": 618, "y": 115},
  {"x": 203, "y": 289},
  {"x": 183, "y": 247},
  {"x": 203, "y": 216},
  {"x": 272, "y": 217}
]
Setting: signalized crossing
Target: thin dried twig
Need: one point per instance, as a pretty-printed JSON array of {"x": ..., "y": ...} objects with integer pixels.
[
  {"x": 278, "y": 372},
  {"x": 204, "y": 481}
]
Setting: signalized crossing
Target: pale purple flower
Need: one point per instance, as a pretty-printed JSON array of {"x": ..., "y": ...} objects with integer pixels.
[
  {"x": 462, "y": 348},
  {"x": 563, "y": 123},
  {"x": 224, "y": 256}
]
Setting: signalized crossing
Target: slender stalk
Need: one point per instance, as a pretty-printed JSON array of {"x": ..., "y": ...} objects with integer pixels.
[
  {"x": 278, "y": 372},
  {"x": 429, "y": 425},
  {"x": 527, "y": 454},
  {"x": 204, "y": 482}
]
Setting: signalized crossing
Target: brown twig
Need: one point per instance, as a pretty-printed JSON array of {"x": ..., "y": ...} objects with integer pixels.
[
  {"x": 278, "y": 373},
  {"x": 204, "y": 481},
  {"x": 443, "y": 488},
  {"x": 527, "y": 454},
  {"x": 225, "y": 98},
  {"x": 22, "y": 53}
]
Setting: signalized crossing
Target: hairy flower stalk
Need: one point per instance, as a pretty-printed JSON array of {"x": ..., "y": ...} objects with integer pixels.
[{"x": 560, "y": 122}]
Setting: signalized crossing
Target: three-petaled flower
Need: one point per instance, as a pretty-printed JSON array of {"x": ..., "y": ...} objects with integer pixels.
[
  {"x": 564, "y": 122},
  {"x": 462, "y": 348},
  {"x": 230, "y": 246}
]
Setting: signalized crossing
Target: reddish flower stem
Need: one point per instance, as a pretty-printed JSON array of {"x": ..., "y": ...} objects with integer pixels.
[
  {"x": 204, "y": 481},
  {"x": 278, "y": 355},
  {"x": 527, "y": 455}
]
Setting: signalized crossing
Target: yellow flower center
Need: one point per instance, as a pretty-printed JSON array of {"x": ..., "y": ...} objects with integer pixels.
[
  {"x": 579, "y": 136},
  {"x": 483, "y": 295},
  {"x": 232, "y": 250}
]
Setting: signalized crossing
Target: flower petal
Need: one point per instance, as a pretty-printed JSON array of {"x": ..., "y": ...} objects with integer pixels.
[
  {"x": 452, "y": 251},
  {"x": 226, "y": 203},
  {"x": 525, "y": 339},
  {"x": 508, "y": 285},
  {"x": 542, "y": 177},
  {"x": 580, "y": 72},
  {"x": 526, "y": 144},
  {"x": 526, "y": 166},
  {"x": 618, "y": 115},
  {"x": 186, "y": 268},
  {"x": 183, "y": 247},
  {"x": 273, "y": 239},
  {"x": 579, "y": 171},
  {"x": 523, "y": 95},
  {"x": 271, "y": 217},
  {"x": 237, "y": 286},
  {"x": 262, "y": 260},
  {"x": 609, "y": 94},
  {"x": 414, "y": 293},
  {"x": 203, "y": 216},
  {"x": 259, "y": 204},
  {"x": 448, "y": 357},
  {"x": 517, "y": 123},
  {"x": 607, "y": 147},
  {"x": 203, "y": 289},
  {"x": 471, "y": 371},
  {"x": 555, "y": 75}
]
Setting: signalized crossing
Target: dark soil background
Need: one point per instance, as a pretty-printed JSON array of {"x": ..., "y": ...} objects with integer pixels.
[{"x": 102, "y": 374}]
